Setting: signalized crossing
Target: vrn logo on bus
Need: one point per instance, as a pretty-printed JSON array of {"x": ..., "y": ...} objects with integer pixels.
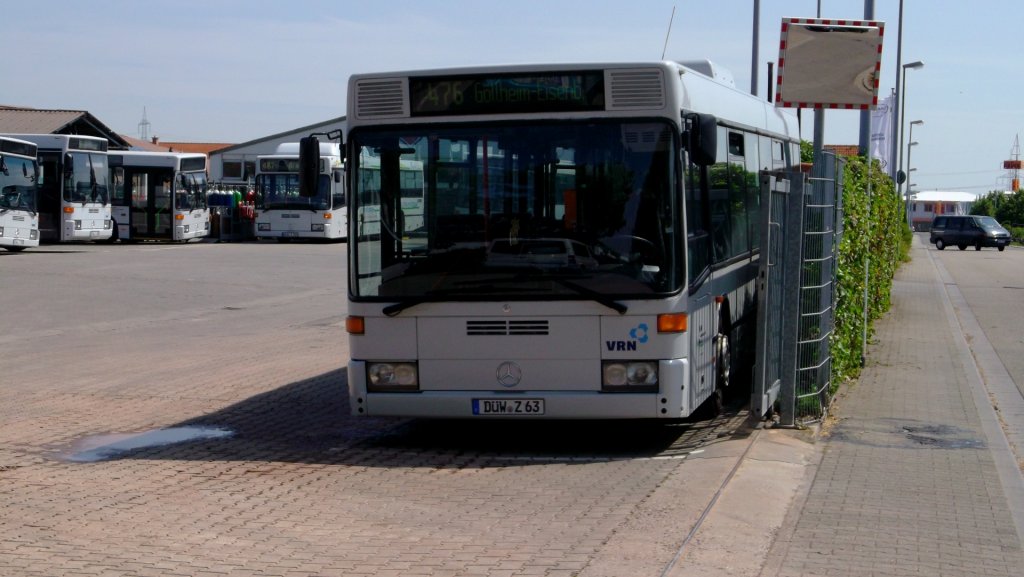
[{"x": 637, "y": 336}]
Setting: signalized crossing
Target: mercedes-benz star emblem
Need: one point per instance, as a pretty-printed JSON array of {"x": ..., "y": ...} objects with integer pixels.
[{"x": 509, "y": 374}]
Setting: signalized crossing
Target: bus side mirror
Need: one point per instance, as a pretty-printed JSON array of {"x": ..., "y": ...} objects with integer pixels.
[
  {"x": 309, "y": 166},
  {"x": 69, "y": 166},
  {"x": 702, "y": 138}
]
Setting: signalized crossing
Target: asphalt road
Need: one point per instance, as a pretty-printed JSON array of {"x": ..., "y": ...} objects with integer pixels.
[{"x": 992, "y": 283}]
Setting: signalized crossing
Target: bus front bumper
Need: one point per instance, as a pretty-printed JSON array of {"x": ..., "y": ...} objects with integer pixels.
[{"x": 672, "y": 402}]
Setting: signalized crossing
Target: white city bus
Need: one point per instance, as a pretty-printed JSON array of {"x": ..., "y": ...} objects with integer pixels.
[
  {"x": 283, "y": 214},
  {"x": 19, "y": 179},
  {"x": 159, "y": 196},
  {"x": 590, "y": 243},
  {"x": 367, "y": 218},
  {"x": 74, "y": 200}
]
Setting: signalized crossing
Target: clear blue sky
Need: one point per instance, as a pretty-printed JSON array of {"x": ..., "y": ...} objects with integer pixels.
[{"x": 235, "y": 70}]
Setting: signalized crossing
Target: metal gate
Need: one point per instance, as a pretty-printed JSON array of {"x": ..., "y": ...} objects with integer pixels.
[{"x": 800, "y": 231}]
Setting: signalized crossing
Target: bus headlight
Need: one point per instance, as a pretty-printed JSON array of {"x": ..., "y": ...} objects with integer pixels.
[
  {"x": 78, "y": 225},
  {"x": 316, "y": 227},
  {"x": 263, "y": 226},
  {"x": 629, "y": 376},
  {"x": 389, "y": 377},
  {"x": 107, "y": 223}
]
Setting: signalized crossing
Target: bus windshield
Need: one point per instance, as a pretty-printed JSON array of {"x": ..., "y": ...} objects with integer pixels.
[
  {"x": 564, "y": 210},
  {"x": 280, "y": 191},
  {"x": 17, "y": 184},
  {"x": 86, "y": 178},
  {"x": 191, "y": 191}
]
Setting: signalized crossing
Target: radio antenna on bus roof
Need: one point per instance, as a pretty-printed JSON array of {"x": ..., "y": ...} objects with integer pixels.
[{"x": 667, "y": 34}]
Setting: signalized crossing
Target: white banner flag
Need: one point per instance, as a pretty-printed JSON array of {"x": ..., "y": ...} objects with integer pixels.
[{"x": 881, "y": 135}]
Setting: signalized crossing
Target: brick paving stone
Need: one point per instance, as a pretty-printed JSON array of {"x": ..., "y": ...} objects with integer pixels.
[
  {"x": 301, "y": 488},
  {"x": 884, "y": 502}
]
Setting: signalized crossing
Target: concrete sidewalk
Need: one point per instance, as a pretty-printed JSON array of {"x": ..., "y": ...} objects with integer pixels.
[{"x": 911, "y": 475}]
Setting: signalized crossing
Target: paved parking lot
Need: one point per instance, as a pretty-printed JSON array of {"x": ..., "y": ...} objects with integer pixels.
[{"x": 244, "y": 342}]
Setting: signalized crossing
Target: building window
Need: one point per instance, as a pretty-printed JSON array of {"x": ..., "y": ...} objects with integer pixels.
[
  {"x": 232, "y": 169},
  {"x": 238, "y": 169}
]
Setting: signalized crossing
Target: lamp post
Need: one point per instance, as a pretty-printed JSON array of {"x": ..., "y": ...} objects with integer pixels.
[
  {"x": 910, "y": 223},
  {"x": 910, "y": 186},
  {"x": 900, "y": 175}
]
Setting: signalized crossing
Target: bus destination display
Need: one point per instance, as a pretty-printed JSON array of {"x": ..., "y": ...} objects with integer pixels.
[
  {"x": 279, "y": 165},
  {"x": 538, "y": 92}
]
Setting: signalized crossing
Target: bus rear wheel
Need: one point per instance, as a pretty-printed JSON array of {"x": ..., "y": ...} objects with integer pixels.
[{"x": 723, "y": 372}]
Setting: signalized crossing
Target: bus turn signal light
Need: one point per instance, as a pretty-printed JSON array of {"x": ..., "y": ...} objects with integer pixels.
[
  {"x": 355, "y": 325},
  {"x": 672, "y": 323}
]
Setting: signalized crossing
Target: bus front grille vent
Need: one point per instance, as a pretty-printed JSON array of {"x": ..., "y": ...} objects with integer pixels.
[
  {"x": 382, "y": 98},
  {"x": 633, "y": 89},
  {"x": 502, "y": 328}
]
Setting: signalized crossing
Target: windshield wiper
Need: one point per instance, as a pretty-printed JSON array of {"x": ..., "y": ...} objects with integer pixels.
[
  {"x": 432, "y": 296},
  {"x": 392, "y": 310},
  {"x": 490, "y": 288},
  {"x": 594, "y": 295}
]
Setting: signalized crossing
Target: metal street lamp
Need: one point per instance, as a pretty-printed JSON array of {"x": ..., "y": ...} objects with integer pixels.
[
  {"x": 910, "y": 187},
  {"x": 910, "y": 223},
  {"x": 900, "y": 175}
]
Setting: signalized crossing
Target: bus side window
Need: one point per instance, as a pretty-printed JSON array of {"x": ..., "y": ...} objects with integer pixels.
[
  {"x": 698, "y": 255},
  {"x": 718, "y": 196},
  {"x": 753, "y": 191},
  {"x": 739, "y": 232},
  {"x": 117, "y": 184}
]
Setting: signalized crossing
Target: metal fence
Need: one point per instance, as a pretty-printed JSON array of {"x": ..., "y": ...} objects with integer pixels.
[{"x": 801, "y": 228}]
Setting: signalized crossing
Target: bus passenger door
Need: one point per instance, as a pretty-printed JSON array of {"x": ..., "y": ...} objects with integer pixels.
[
  {"x": 120, "y": 205},
  {"x": 139, "y": 190},
  {"x": 161, "y": 219},
  {"x": 701, "y": 327},
  {"x": 700, "y": 307},
  {"x": 151, "y": 204},
  {"x": 49, "y": 205}
]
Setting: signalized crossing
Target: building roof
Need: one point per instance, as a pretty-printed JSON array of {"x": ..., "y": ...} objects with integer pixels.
[
  {"x": 943, "y": 196},
  {"x": 843, "y": 149},
  {"x": 20, "y": 120},
  {"x": 144, "y": 145},
  {"x": 203, "y": 147},
  {"x": 156, "y": 145},
  {"x": 230, "y": 147}
]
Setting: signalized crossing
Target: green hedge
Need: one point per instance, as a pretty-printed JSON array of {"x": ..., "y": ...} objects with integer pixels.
[
  {"x": 1017, "y": 232},
  {"x": 872, "y": 226}
]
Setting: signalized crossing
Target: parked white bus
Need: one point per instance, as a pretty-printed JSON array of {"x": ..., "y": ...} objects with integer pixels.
[
  {"x": 159, "y": 196},
  {"x": 19, "y": 180},
  {"x": 283, "y": 214},
  {"x": 367, "y": 218},
  {"x": 590, "y": 242},
  {"x": 74, "y": 200}
]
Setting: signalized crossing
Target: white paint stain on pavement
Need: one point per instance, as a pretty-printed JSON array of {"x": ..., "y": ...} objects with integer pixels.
[{"x": 102, "y": 447}]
